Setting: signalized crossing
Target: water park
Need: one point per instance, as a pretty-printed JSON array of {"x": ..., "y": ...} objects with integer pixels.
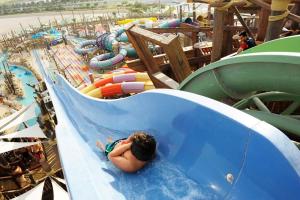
[{"x": 195, "y": 105}]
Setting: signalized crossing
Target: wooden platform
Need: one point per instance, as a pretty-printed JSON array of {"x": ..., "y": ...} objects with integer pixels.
[{"x": 70, "y": 64}]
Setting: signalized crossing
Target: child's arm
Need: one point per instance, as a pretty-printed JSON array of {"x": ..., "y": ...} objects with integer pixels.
[
  {"x": 122, "y": 163},
  {"x": 120, "y": 149},
  {"x": 128, "y": 140},
  {"x": 118, "y": 160}
]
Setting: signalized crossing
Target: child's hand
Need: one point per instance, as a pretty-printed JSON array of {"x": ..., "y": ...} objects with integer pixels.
[
  {"x": 127, "y": 145},
  {"x": 128, "y": 140},
  {"x": 124, "y": 142}
]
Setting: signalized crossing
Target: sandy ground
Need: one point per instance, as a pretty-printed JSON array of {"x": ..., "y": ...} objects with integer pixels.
[
  {"x": 3, "y": 109},
  {"x": 33, "y": 63},
  {"x": 12, "y": 22},
  {"x": 15, "y": 59}
]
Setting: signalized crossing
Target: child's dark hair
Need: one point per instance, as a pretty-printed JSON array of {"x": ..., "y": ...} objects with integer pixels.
[
  {"x": 243, "y": 33},
  {"x": 143, "y": 146}
]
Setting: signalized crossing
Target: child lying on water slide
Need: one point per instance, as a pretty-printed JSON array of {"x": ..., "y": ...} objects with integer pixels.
[{"x": 132, "y": 153}]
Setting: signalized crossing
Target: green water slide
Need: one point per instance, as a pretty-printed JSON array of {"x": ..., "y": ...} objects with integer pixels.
[
  {"x": 256, "y": 80},
  {"x": 287, "y": 44}
]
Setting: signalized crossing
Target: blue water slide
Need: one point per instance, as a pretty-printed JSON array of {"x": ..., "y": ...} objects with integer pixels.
[
  {"x": 123, "y": 38},
  {"x": 38, "y": 35},
  {"x": 206, "y": 149}
]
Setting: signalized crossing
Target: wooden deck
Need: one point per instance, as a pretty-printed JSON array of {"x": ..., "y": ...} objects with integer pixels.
[{"x": 70, "y": 64}]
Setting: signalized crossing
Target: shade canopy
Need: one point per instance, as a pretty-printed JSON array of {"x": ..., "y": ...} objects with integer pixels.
[
  {"x": 59, "y": 192},
  {"x": 35, "y": 193},
  {"x": 60, "y": 180},
  {"x": 18, "y": 117},
  {"x": 31, "y": 132},
  {"x": 9, "y": 146}
]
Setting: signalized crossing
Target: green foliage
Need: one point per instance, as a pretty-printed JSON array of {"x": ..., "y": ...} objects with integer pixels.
[
  {"x": 18, "y": 6},
  {"x": 124, "y": 3},
  {"x": 7, "y": 1},
  {"x": 135, "y": 10},
  {"x": 138, "y": 5}
]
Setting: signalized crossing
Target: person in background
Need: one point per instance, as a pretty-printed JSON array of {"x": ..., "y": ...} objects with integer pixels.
[
  {"x": 290, "y": 28},
  {"x": 246, "y": 42}
]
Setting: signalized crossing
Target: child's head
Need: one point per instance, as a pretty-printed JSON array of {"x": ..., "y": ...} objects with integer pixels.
[
  {"x": 243, "y": 35},
  {"x": 143, "y": 146}
]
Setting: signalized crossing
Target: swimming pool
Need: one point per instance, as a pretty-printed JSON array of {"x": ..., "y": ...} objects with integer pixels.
[{"x": 26, "y": 76}]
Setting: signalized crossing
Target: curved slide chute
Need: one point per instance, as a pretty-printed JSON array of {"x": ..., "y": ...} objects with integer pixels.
[
  {"x": 130, "y": 77},
  {"x": 122, "y": 38},
  {"x": 82, "y": 50},
  {"x": 107, "y": 60},
  {"x": 117, "y": 89},
  {"x": 287, "y": 44},
  {"x": 114, "y": 43},
  {"x": 272, "y": 66},
  {"x": 240, "y": 76},
  {"x": 206, "y": 150}
]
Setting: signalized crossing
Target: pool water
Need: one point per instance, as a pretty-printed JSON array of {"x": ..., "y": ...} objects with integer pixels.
[{"x": 26, "y": 77}]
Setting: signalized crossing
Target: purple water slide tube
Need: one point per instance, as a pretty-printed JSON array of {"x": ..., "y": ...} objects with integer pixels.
[
  {"x": 133, "y": 87},
  {"x": 107, "y": 60},
  {"x": 124, "y": 78}
]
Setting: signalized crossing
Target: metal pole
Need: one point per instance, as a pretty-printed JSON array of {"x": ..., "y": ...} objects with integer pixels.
[
  {"x": 40, "y": 22},
  {"x": 180, "y": 13},
  {"x": 159, "y": 8},
  {"x": 194, "y": 12}
]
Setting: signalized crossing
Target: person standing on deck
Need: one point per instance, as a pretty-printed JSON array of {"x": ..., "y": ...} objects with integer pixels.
[{"x": 245, "y": 41}]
